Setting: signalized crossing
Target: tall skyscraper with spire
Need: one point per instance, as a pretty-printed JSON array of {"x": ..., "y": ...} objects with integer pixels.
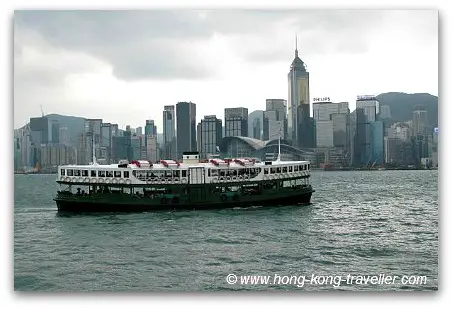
[{"x": 300, "y": 125}]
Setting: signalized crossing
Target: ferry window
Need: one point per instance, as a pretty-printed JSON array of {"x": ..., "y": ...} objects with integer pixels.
[
  {"x": 209, "y": 172},
  {"x": 93, "y": 173},
  {"x": 296, "y": 168},
  {"x": 126, "y": 174},
  {"x": 76, "y": 172},
  {"x": 290, "y": 169},
  {"x": 109, "y": 173},
  {"x": 85, "y": 173},
  {"x": 279, "y": 170},
  {"x": 301, "y": 167},
  {"x": 101, "y": 173},
  {"x": 62, "y": 172},
  {"x": 266, "y": 171},
  {"x": 285, "y": 169},
  {"x": 168, "y": 174},
  {"x": 184, "y": 173},
  {"x": 176, "y": 174},
  {"x": 305, "y": 166},
  {"x": 215, "y": 172},
  {"x": 117, "y": 174},
  {"x": 308, "y": 166},
  {"x": 273, "y": 170},
  {"x": 70, "y": 173}
]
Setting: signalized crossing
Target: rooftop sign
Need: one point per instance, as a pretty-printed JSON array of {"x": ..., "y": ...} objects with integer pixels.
[
  {"x": 366, "y": 97},
  {"x": 324, "y": 99}
]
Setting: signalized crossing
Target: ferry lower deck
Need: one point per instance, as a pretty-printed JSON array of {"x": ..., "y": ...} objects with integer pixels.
[{"x": 115, "y": 198}]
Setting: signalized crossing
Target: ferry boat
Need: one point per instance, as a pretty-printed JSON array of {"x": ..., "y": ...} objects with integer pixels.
[{"x": 191, "y": 184}]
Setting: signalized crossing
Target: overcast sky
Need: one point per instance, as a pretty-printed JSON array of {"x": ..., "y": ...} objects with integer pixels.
[{"x": 124, "y": 66}]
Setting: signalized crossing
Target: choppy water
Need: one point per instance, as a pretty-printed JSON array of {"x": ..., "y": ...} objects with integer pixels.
[{"x": 360, "y": 223}]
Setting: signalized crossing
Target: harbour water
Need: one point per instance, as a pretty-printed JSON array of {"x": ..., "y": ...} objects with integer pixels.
[{"x": 367, "y": 223}]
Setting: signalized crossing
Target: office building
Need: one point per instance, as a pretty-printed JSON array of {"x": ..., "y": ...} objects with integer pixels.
[
  {"x": 236, "y": 121},
  {"x": 300, "y": 127},
  {"x": 186, "y": 136},
  {"x": 209, "y": 136}
]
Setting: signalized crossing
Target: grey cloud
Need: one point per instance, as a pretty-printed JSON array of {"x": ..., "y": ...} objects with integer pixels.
[{"x": 159, "y": 44}]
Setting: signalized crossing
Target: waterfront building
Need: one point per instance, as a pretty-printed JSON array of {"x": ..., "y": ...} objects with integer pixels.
[
  {"x": 186, "y": 136},
  {"x": 300, "y": 128},
  {"x": 256, "y": 124},
  {"x": 236, "y": 121},
  {"x": 209, "y": 136}
]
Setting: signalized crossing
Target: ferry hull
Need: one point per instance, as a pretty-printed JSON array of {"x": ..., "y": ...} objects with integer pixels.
[{"x": 65, "y": 205}]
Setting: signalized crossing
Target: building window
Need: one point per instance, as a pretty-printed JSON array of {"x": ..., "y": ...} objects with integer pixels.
[
  {"x": 109, "y": 174},
  {"x": 85, "y": 173},
  {"x": 117, "y": 174},
  {"x": 126, "y": 174},
  {"x": 62, "y": 171},
  {"x": 101, "y": 173},
  {"x": 70, "y": 173},
  {"x": 93, "y": 173}
]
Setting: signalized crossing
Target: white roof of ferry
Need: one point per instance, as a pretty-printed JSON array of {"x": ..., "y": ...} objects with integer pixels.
[{"x": 185, "y": 165}]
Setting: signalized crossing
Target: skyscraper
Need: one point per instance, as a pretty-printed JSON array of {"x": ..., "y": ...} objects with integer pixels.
[
  {"x": 169, "y": 136},
  {"x": 370, "y": 106},
  {"x": 280, "y": 107},
  {"x": 327, "y": 123},
  {"x": 420, "y": 121},
  {"x": 255, "y": 123},
  {"x": 236, "y": 121},
  {"x": 299, "y": 103},
  {"x": 185, "y": 128},
  {"x": 210, "y": 134}
]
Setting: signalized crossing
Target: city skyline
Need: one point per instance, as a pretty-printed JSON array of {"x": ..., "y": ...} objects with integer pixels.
[{"x": 224, "y": 66}]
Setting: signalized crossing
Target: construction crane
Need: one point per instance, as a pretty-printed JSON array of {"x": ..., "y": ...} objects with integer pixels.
[{"x": 42, "y": 112}]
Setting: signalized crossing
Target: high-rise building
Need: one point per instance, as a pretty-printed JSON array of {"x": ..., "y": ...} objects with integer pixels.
[
  {"x": 377, "y": 129},
  {"x": 185, "y": 128},
  {"x": 255, "y": 124},
  {"x": 106, "y": 143},
  {"x": 340, "y": 125},
  {"x": 55, "y": 132},
  {"x": 275, "y": 129},
  {"x": 358, "y": 144},
  {"x": 392, "y": 150},
  {"x": 209, "y": 136},
  {"x": 236, "y": 121},
  {"x": 41, "y": 131},
  {"x": 384, "y": 112},
  {"x": 92, "y": 128},
  {"x": 169, "y": 135},
  {"x": 139, "y": 130},
  {"x": 298, "y": 104},
  {"x": 150, "y": 128},
  {"x": 64, "y": 135},
  {"x": 323, "y": 116},
  {"x": 280, "y": 107},
  {"x": 420, "y": 121},
  {"x": 370, "y": 106}
]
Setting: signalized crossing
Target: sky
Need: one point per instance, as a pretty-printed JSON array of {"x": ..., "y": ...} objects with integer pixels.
[{"x": 124, "y": 66}]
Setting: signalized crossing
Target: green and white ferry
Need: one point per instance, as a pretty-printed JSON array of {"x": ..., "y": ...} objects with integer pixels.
[{"x": 141, "y": 185}]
